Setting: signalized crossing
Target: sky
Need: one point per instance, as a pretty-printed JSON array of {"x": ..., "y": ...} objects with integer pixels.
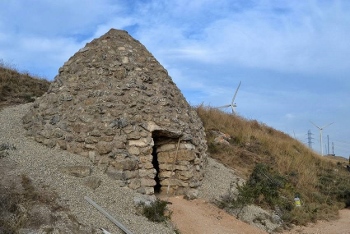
[{"x": 292, "y": 57}]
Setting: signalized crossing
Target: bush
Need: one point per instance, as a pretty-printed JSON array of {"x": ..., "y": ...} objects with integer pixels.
[
  {"x": 262, "y": 188},
  {"x": 157, "y": 211}
]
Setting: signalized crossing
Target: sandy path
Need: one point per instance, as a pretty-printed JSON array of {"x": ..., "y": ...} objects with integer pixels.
[
  {"x": 199, "y": 216},
  {"x": 339, "y": 226}
]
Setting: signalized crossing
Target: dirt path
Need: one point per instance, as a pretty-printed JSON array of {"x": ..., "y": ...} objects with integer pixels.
[
  {"x": 199, "y": 216},
  {"x": 339, "y": 226}
]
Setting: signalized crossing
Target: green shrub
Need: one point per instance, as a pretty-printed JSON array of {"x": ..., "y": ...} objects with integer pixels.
[
  {"x": 157, "y": 211},
  {"x": 261, "y": 188}
]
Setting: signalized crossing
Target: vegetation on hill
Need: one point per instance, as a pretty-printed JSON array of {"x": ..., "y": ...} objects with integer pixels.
[
  {"x": 277, "y": 168},
  {"x": 16, "y": 87}
]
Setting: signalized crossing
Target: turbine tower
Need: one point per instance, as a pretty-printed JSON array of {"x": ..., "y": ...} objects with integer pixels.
[
  {"x": 321, "y": 128},
  {"x": 233, "y": 104}
]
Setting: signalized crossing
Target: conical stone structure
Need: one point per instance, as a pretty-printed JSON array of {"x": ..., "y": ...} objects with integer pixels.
[{"x": 115, "y": 104}]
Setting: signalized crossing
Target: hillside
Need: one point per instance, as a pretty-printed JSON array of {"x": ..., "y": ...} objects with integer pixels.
[
  {"x": 17, "y": 88},
  {"x": 277, "y": 167}
]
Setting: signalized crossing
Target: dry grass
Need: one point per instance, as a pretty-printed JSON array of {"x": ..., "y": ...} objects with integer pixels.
[
  {"x": 16, "y": 204},
  {"x": 16, "y": 87},
  {"x": 322, "y": 183}
]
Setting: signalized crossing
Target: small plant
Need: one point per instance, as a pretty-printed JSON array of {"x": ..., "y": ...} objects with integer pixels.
[
  {"x": 16, "y": 204},
  {"x": 262, "y": 187},
  {"x": 7, "y": 146},
  {"x": 157, "y": 211}
]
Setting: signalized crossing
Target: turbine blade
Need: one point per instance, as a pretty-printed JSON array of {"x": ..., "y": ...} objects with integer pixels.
[
  {"x": 224, "y": 106},
  {"x": 327, "y": 125},
  {"x": 316, "y": 125},
  {"x": 234, "y": 96}
]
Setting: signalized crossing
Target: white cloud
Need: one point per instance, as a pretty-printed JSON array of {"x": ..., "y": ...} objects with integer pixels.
[{"x": 291, "y": 56}]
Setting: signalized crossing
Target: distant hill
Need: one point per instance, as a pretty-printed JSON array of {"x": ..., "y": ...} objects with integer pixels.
[{"x": 17, "y": 88}]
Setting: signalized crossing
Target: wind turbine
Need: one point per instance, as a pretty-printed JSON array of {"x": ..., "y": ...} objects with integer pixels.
[
  {"x": 233, "y": 104},
  {"x": 321, "y": 128}
]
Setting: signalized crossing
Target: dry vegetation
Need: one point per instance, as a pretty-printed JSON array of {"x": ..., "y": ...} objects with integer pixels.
[
  {"x": 16, "y": 87},
  {"x": 278, "y": 168}
]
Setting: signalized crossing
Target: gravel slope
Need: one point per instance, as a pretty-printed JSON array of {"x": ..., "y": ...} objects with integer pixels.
[{"x": 43, "y": 165}]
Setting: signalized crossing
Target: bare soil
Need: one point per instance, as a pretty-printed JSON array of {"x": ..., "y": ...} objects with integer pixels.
[
  {"x": 339, "y": 226},
  {"x": 199, "y": 216}
]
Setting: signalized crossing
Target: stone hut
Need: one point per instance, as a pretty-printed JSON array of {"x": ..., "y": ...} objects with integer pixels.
[{"x": 113, "y": 103}]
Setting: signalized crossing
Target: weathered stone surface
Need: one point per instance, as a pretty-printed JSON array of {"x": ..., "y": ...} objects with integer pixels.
[
  {"x": 185, "y": 175},
  {"x": 130, "y": 174},
  {"x": 165, "y": 174},
  {"x": 92, "y": 182},
  {"x": 148, "y": 182},
  {"x": 126, "y": 164},
  {"x": 143, "y": 142},
  {"x": 176, "y": 182},
  {"x": 134, "y": 150},
  {"x": 144, "y": 200},
  {"x": 113, "y": 103},
  {"x": 180, "y": 155},
  {"x": 104, "y": 147},
  {"x": 78, "y": 171},
  {"x": 115, "y": 173},
  {"x": 191, "y": 194},
  {"x": 135, "y": 184},
  {"x": 150, "y": 173},
  {"x": 166, "y": 147}
]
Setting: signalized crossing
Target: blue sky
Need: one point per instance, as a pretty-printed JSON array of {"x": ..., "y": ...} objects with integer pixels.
[{"x": 292, "y": 57}]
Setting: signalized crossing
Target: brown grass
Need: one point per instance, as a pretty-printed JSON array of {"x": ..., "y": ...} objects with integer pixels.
[
  {"x": 16, "y": 87},
  {"x": 17, "y": 201},
  {"x": 322, "y": 183}
]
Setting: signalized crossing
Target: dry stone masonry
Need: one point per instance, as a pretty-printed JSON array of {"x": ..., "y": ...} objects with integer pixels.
[{"x": 115, "y": 104}]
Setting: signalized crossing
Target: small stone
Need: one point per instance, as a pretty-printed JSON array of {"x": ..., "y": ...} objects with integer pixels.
[
  {"x": 114, "y": 173},
  {"x": 148, "y": 182},
  {"x": 104, "y": 147},
  {"x": 125, "y": 60},
  {"x": 146, "y": 200},
  {"x": 191, "y": 194},
  {"x": 135, "y": 184},
  {"x": 77, "y": 171},
  {"x": 92, "y": 182}
]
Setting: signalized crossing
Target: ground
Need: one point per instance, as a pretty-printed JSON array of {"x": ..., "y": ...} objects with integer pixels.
[
  {"x": 199, "y": 216},
  {"x": 339, "y": 226},
  {"x": 30, "y": 172}
]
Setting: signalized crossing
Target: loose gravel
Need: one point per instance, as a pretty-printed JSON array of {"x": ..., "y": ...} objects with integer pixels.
[{"x": 42, "y": 165}]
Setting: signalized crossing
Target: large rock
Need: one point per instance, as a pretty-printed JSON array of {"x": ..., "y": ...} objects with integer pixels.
[{"x": 115, "y": 104}]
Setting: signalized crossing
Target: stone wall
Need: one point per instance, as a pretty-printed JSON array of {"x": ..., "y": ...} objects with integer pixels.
[{"x": 115, "y": 104}]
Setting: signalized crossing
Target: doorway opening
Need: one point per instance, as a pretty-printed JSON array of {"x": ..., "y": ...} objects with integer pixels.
[
  {"x": 158, "y": 186},
  {"x": 161, "y": 137}
]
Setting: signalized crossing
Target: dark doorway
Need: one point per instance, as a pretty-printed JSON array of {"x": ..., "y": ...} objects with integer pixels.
[
  {"x": 161, "y": 137},
  {"x": 157, "y": 187}
]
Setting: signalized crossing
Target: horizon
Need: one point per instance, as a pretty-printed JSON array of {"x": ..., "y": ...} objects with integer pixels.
[{"x": 289, "y": 56}]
